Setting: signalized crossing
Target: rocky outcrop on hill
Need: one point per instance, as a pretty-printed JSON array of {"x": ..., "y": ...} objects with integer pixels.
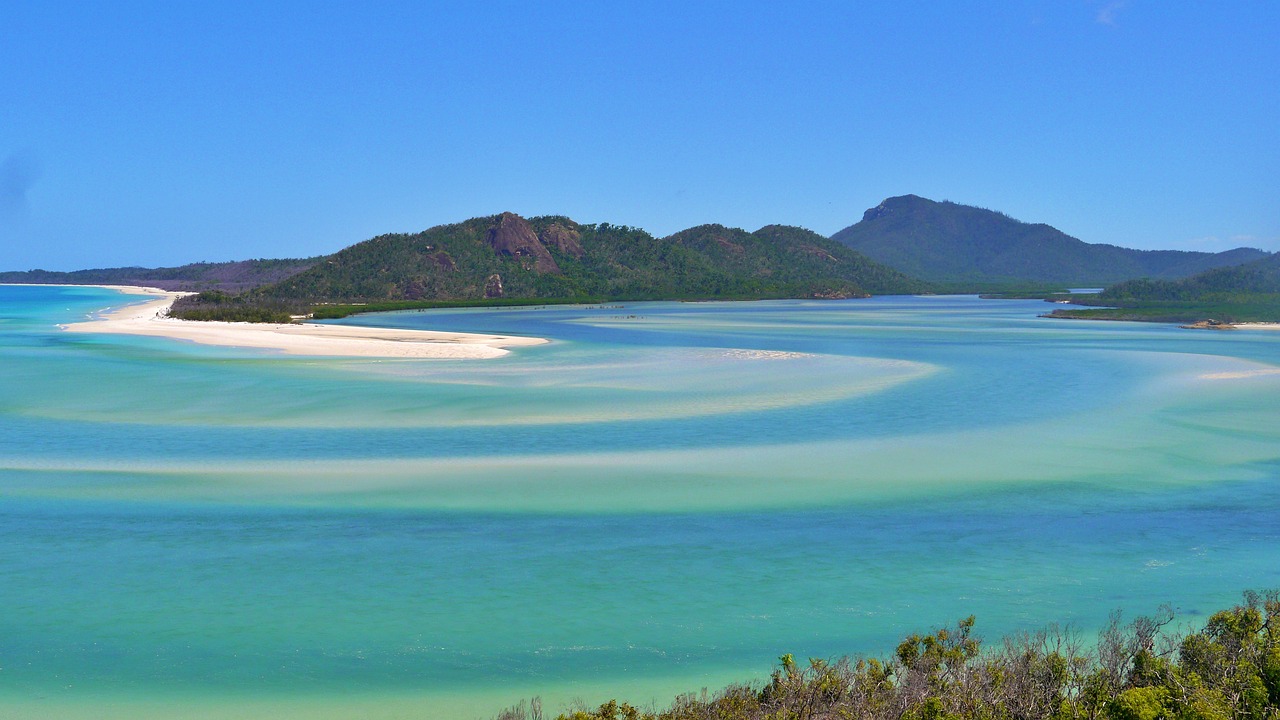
[
  {"x": 513, "y": 236},
  {"x": 493, "y": 286},
  {"x": 564, "y": 239}
]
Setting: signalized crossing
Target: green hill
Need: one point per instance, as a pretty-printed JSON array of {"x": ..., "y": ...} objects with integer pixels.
[
  {"x": 945, "y": 242},
  {"x": 552, "y": 258},
  {"x": 1260, "y": 277},
  {"x": 1217, "y": 297}
]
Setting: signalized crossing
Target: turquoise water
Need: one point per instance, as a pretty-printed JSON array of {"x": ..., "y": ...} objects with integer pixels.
[{"x": 667, "y": 496}]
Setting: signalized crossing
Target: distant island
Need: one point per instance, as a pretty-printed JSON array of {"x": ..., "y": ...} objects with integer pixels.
[{"x": 905, "y": 245}]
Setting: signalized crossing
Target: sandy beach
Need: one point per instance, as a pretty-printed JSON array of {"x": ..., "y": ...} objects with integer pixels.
[
  {"x": 149, "y": 318},
  {"x": 1257, "y": 326}
]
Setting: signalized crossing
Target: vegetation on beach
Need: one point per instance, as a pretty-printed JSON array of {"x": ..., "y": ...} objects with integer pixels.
[
  {"x": 1263, "y": 310},
  {"x": 339, "y": 310},
  {"x": 1012, "y": 291},
  {"x": 220, "y": 306},
  {"x": 1145, "y": 669}
]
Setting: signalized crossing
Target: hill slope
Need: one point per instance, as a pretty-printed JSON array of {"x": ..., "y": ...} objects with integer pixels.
[
  {"x": 1259, "y": 277},
  {"x": 951, "y": 243},
  {"x": 1214, "y": 298},
  {"x": 554, "y": 258}
]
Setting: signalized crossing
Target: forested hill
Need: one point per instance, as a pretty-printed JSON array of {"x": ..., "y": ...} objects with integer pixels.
[
  {"x": 1251, "y": 280},
  {"x": 950, "y": 243},
  {"x": 226, "y": 276},
  {"x": 1215, "y": 298},
  {"x": 554, "y": 258}
]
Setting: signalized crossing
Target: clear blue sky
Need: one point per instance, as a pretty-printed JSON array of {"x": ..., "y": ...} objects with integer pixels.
[{"x": 164, "y": 133}]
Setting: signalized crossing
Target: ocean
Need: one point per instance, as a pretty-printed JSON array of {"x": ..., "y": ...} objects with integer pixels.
[{"x": 666, "y": 497}]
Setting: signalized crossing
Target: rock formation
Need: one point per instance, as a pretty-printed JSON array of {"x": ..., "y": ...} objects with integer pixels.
[{"x": 512, "y": 235}]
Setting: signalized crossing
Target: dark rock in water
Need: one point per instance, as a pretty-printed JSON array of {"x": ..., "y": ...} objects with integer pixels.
[
  {"x": 512, "y": 235},
  {"x": 563, "y": 239},
  {"x": 493, "y": 286}
]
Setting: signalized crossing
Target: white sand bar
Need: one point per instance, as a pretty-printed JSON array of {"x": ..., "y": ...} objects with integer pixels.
[
  {"x": 1257, "y": 326},
  {"x": 150, "y": 318}
]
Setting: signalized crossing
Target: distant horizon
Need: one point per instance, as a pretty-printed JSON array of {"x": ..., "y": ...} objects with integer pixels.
[
  {"x": 143, "y": 133},
  {"x": 582, "y": 222}
]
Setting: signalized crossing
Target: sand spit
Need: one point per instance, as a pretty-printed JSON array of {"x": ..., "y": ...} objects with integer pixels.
[
  {"x": 150, "y": 318},
  {"x": 1257, "y": 326},
  {"x": 1240, "y": 374}
]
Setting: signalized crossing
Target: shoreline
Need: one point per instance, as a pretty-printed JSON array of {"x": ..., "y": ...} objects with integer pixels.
[
  {"x": 1257, "y": 326},
  {"x": 305, "y": 339},
  {"x": 126, "y": 289},
  {"x": 1199, "y": 325},
  {"x": 1207, "y": 325}
]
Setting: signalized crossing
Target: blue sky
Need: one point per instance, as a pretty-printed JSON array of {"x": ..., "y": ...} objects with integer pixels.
[{"x": 165, "y": 133}]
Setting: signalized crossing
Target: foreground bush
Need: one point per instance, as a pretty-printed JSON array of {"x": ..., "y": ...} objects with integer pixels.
[{"x": 1142, "y": 670}]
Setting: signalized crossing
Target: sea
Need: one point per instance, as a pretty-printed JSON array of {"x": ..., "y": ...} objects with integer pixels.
[{"x": 663, "y": 499}]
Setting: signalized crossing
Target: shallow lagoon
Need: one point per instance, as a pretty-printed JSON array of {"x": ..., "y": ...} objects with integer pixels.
[{"x": 666, "y": 497}]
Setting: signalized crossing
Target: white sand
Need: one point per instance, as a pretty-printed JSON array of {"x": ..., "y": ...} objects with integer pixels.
[
  {"x": 1241, "y": 374},
  {"x": 296, "y": 339},
  {"x": 1257, "y": 326}
]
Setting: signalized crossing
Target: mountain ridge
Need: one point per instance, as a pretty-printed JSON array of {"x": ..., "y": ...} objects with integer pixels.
[
  {"x": 506, "y": 258},
  {"x": 553, "y": 257},
  {"x": 946, "y": 242}
]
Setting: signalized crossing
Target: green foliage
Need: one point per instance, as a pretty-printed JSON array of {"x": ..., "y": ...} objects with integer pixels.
[
  {"x": 456, "y": 263},
  {"x": 1244, "y": 293},
  {"x": 1144, "y": 703},
  {"x": 333, "y": 312},
  {"x": 1180, "y": 312},
  {"x": 1140, "y": 670},
  {"x": 1247, "y": 293},
  {"x": 507, "y": 260},
  {"x": 1253, "y": 280},
  {"x": 608, "y": 711},
  {"x": 219, "y": 306}
]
